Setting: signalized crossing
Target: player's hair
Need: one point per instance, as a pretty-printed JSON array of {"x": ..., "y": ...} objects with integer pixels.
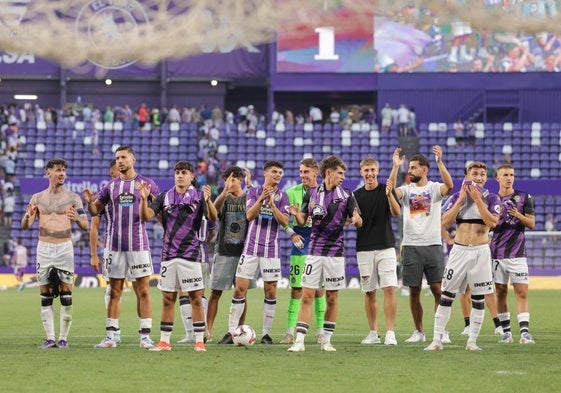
[
  {"x": 310, "y": 163},
  {"x": 505, "y": 166},
  {"x": 112, "y": 163},
  {"x": 331, "y": 162},
  {"x": 183, "y": 165},
  {"x": 369, "y": 161},
  {"x": 273, "y": 163},
  {"x": 421, "y": 159},
  {"x": 236, "y": 171},
  {"x": 56, "y": 161},
  {"x": 128, "y": 149},
  {"x": 476, "y": 165}
]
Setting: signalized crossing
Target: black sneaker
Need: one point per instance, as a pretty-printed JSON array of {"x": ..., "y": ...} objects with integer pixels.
[
  {"x": 266, "y": 339},
  {"x": 227, "y": 339}
]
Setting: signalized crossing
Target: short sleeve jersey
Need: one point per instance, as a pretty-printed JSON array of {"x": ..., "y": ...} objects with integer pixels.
[
  {"x": 262, "y": 238},
  {"x": 181, "y": 214},
  {"x": 509, "y": 240},
  {"x": 329, "y": 210},
  {"x": 122, "y": 198}
]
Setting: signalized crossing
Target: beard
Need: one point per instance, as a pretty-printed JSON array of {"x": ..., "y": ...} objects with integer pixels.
[{"x": 415, "y": 179}]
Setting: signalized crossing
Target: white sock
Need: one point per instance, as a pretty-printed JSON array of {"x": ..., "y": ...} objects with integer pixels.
[
  {"x": 187, "y": 317},
  {"x": 269, "y": 307},
  {"x": 65, "y": 321},
  {"x": 441, "y": 318},
  {"x": 476, "y": 320},
  {"x": 236, "y": 311},
  {"x": 48, "y": 319}
]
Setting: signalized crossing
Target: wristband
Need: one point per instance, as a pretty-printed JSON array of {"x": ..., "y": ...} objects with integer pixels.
[{"x": 289, "y": 231}]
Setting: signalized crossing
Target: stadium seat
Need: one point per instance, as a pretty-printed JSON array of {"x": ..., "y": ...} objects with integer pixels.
[
  {"x": 223, "y": 149},
  {"x": 114, "y": 147},
  {"x": 40, "y": 148},
  {"x": 442, "y": 127},
  {"x": 308, "y": 127},
  {"x": 507, "y": 126},
  {"x": 79, "y": 126},
  {"x": 87, "y": 140},
  {"x": 174, "y": 141},
  {"x": 41, "y": 125},
  {"x": 507, "y": 149},
  {"x": 108, "y": 126},
  {"x": 535, "y": 141},
  {"x": 536, "y": 126},
  {"x": 250, "y": 164},
  {"x": 346, "y": 141},
  {"x": 451, "y": 141},
  {"x": 365, "y": 127},
  {"x": 270, "y": 142},
  {"x": 98, "y": 126},
  {"x": 39, "y": 163},
  {"x": 117, "y": 126},
  {"x": 298, "y": 141},
  {"x": 355, "y": 127},
  {"x": 535, "y": 173},
  {"x": 479, "y": 133},
  {"x": 163, "y": 164},
  {"x": 280, "y": 127}
]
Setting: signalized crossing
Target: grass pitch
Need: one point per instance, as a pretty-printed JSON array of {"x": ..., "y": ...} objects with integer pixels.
[{"x": 261, "y": 368}]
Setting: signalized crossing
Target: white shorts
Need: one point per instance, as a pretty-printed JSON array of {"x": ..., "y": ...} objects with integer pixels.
[
  {"x": 461, "y": 28},
  {"x": 514, "y": 268},
  {"x": 181, "y": 275},
  {"x": 378, "y": 269},
  {"x": 324, "y": 271},
  {"x": 249, "y": 265},
  {"x": 105, "y": 262},
  {"x": 125, "y": 264},
  {"x": 57, "y": 255},
  {"x": 469, "y": 265}
]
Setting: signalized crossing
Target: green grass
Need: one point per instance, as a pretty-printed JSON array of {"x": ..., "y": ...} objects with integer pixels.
[{"x": 354, "y": 367}]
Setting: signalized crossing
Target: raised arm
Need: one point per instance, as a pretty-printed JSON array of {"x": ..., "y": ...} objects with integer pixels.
[
  {"x": 211, "y": 212},
  {"x": 94, "y": 205},
  {"x": 30, "y": 214},
  {"x": 146, "y": 213},
  {"x": 397, "y": 162},
  {"x": 395, "y": 207},
  {"x": 448, "y": 184}
]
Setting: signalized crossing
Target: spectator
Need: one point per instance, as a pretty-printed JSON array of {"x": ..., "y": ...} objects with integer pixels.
[
  {"x": 316, "y": 116},
  {"x": 403, "y": 118},
  {"x": 459, "y": 132},
  {"x": 386, "y": 117},
  {"x": 9, "y": 206}
]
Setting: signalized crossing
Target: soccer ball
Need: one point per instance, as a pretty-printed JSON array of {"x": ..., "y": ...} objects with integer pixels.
[{"x": 244, "y": 336}]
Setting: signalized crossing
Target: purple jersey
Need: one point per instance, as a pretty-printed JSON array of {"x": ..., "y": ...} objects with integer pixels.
[
  {"x": 262, "y": 238},
  {"x": 181, "y": 218},
  {"x": 329, "y": 210},
  {"x": 121, "y": 199},
  {"x": 206, "y": 227},
  {"x": 508, "y": 236}
]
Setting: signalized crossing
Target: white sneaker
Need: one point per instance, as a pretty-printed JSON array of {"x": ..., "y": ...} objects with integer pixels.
[
  {"x": 446, "y": 338},
  {"x": 499, "y": 331},
  {"x": 372, "y": 338},
  {"x": 106, "y": 342},
  {"x": 465, "y": 332},
  {"x": 297, "y": 347},
  {"x": 390, "y": 338},
  {"x": 506, "y": 339},
  {"x": 189, "y": 338},
  {"x": 146, "y": 343},
  {"x": 404, "y": 291},
  {"x": 526, "y": 338},
  {"x": 472, "y": 347},
  {"x": 416, "y": 337},
  {"x": 434, "y": 346},
  {"x": 327, "y": 347}
]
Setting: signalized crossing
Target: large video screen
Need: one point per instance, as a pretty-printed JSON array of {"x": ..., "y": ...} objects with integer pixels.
[{"x": 418, "y": 40}]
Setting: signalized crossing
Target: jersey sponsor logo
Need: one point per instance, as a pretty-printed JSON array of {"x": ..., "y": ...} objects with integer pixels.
[
  {"x": 143, "y": 266},
  {"x": 191, "y": 280},
  {"x": 335, "y": 279},
  {"x": 521, "y": 274},
  {"x": 271, "y": 270},
  {"x": 126, "y": 199},
  {"x": 483, "y": 284}
]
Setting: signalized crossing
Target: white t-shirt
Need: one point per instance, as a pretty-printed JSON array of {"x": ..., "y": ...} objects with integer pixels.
[{"x": 421, "y": 214}]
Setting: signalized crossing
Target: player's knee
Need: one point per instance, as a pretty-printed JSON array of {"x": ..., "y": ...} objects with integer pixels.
[
  {"x": 66, "y": 298},
  {"x": 46, "y": 299}
]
